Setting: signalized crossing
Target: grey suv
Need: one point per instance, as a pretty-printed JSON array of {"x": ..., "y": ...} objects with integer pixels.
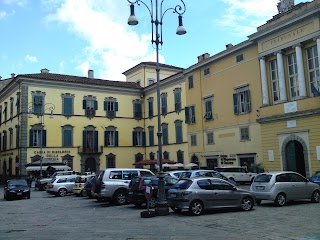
[{"x": 112, "y": 183}]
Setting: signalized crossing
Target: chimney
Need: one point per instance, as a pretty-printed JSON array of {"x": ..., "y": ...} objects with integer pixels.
[
  {"x": 228, "y": 46},
  {"x": 12, "y": 75},
  {"x": 44, "y": 70},
  {"x": 203, "y": 57},
  {"x": 90, "y": 74}
]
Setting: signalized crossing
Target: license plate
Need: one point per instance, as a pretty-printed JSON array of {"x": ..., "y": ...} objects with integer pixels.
[
  {"x": 260, "y": 187},
  {"x": 19, "y": 193}
]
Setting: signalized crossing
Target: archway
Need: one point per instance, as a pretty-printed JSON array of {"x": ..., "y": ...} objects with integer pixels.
[
  {"x": 90, "y": 165},
  {"x": 295, "y": 157}
]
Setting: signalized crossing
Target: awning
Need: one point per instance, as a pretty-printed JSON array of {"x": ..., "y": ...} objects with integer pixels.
[{"x": 57, "y": 167}]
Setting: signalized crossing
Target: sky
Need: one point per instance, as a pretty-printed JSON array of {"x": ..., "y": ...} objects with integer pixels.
[{"x": 72, "y": 36}]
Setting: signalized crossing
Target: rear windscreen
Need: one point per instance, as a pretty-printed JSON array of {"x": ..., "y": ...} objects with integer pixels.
[{"x": 262, "y": 178}]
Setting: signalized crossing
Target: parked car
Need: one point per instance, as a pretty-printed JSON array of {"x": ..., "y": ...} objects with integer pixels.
[
  {"x": 16, "y": 189},
  {"x": 237, "y": 174},
  {"x": 87, "y": 189},
  {"x": 198, "y": 194},
  {"x": 175, "y": 173},
  {"x": 206, "y": 173},
  {"x": 80, "y": 182},
  {"x": 137, "y": 187},
  {"x": 284, "y": 186},
  {"x": 315, "y": 178},
  {"x": 62, "y": 185},
  {"x": 44, "y": 182},
  {"x": 112, "y": 183}
]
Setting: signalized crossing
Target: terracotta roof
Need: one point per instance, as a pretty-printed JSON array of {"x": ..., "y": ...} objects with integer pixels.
[{"x": 76, "y": 79}]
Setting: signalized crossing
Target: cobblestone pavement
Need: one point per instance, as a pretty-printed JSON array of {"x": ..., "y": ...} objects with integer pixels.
[{"x": 49, "y": 217}]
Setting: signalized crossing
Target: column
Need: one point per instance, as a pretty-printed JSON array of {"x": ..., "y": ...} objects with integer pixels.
[
  {"x": 282, "y": 82},
  {"x": 301, "y": 78},
  {"x": 264, "y": 82}
]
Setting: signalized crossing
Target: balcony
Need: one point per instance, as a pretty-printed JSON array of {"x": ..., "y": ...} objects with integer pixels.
[{"x": 82, "y": 150}]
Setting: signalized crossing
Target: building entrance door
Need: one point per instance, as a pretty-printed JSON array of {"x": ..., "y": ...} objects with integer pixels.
[
  {"x": 212, "y": 163},
  {"x": 295, "y": 158},
  {"x": 90, "y": 165}
]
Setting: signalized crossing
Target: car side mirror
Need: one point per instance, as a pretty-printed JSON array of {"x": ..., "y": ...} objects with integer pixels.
[{"x": 234, "y": 188}]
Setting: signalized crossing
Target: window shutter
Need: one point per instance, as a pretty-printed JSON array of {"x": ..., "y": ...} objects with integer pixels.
[
  {"x": 31, "y": 137},
  {"x": 44, "y": 138},
  {"x": 84, "y": 141},
  {"x": 134, "y": 135},
  {"x": 186, "y": 114},
  {"x": 95, "y": 105},
  {"x": 96, "y": 141},
  {"x": 84, "y": 104},
  {"x": 143, "y": 139},
  {"x": 116, "y": 106},
  {"x": 116, "y": 138},
  {"x": 248, "y": 103},
  {"x": 105, "y": 105},
  {"x": 105, "y": 138},
  {"x": 235, "y": 104}
]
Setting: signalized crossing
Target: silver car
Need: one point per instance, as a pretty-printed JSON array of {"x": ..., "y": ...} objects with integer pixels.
[
  {"x": 62, "y": 185},
  {"x": 281, "y": 187},
  {"x": 197, "y": 194}
]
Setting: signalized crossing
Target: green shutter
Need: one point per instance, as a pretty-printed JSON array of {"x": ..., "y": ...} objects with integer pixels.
[
  {"x": 116, "y": 138},
  {"x": 235, "y": 104},
  {"x": 105, "y": 105},
  {"x": 105, "y": 138},
  {"x": 248, "y": 103},
  {"x": 44, "y": 138},
  {"x": 186, "y": 114},
  {"x": 31, "y": 138},
  {"x": 116, "y": 106}
]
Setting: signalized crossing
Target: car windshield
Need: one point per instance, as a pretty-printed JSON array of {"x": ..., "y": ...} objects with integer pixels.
[
  {"x": 17, "y": 183},
  {"x": 262, "y": 178},
  {"x": 185, "y": 175},
  {"x": 182, "y": 184}
]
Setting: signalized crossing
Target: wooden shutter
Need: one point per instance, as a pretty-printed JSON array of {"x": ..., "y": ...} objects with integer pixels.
[
  {"x": 31, "y": 138},
  {"x": 235, "y": 104},
  {"x": 186, "y": 114},
  {"x": 96, "y": 141},
  {"x": 116, "y": 143},
  {"x": 248, "y": 101}
]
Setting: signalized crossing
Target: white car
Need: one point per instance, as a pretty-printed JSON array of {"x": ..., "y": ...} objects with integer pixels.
[{"x": 237, "y": 174}]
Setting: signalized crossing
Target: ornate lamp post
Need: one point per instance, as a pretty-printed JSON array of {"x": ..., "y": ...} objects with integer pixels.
[
  {"x": 157, "y": 13},
  {"x": 41, "y": 114}
]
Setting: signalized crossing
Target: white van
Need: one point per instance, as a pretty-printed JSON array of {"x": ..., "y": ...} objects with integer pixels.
[
  {"x": 112, "y": 183},
  {"x": 237, "y": 174}
]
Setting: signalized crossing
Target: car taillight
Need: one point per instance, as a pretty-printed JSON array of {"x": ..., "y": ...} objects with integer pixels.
[
  {"x": 185, "y": 193},
  {"x": 51, "y": 185},
  {"x": 80, "y": 180}
]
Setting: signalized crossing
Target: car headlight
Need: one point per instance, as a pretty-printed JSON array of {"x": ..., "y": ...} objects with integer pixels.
[
  {"x": 26, "y": 190},
  {"x": 12, "y": 191}
]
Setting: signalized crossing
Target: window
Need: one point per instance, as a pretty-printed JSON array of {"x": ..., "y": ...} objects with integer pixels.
[
  {"x": 193, "y": 140},
  {"x": 37, "y": 102},
  {"x": 239, "y": 58},
  {"x": 151, "y": 136},
  {"x": 206, "y": 71},
  {"x": 18, "y": 102},
  {"x": 67, "y": 136},
  {"x": 111, "y": 107},
  {"x": 244, "y": 134},
  {"x": 17, "y": 136},
  {"x": 90, "y": 140},
  {"x": 313, "y": 70},
  {"x": 178, "y": 125},
  {"x": 204, "y": 184},
  {"x": 164, "y": 107},
  {"x": 293, "y": 76},
  {"x": 241, "y": 101},
  {"x": 210, "y": 138},
  {"x": 177, "y": 99},
  {"x": 5, "y": 111},
  {"x": 90, "y": 105},
  {"x": 38, "y": 136},
  {"x": 275, "y": 81},
  {"x": 111, "y": 137},
  {"x": 11, "y": 107},
  {"x": 137, "y": 109},
  {"x": 0, "y": 114},
  {"x": 180, "y": 156},
  {"x": 138, "y": 137},
  {"x": 190, "y": 115},
  {"x": 208, "y": 108},
  {"x": 150, "y": 107},
  {"x": 1, "y": 142},
  {"x": 151, "y": 81},
  {"x": 67, "y": 104},
  {"x": 10, "y": 138},
  {"x": 111, "y": 161},
  {"x": 190, "y": 82},
  {"x": 166, "y": 155},
  {"x": 165, "y": 133}
]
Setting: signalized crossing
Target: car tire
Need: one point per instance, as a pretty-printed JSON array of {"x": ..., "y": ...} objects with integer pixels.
[
  {"x": 152, "y": 202},
  {"x": 247, "y": 204},
  {"x": 62, "y": 192},
  {"x": 315, "y": 198},
  {"x": 83, "y": 193},
  {"x": 176, "y": 210},
  {"x": 258, "y": 201},
  {"x": 280, "y": 200},
  {"x": 196, "y": 208},
  {"x": 44, "y": 187},
  {"x": 119, "y": 198}
]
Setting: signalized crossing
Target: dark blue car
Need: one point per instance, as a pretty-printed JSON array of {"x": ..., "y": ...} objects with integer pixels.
[
  {"x": 315, "y": 178},
  {"x": 16, "y": 189}
]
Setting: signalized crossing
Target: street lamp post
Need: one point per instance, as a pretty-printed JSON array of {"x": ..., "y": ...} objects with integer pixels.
[
  {"x": 42, "y": 111},
  {"x": 157, "y": 14}
]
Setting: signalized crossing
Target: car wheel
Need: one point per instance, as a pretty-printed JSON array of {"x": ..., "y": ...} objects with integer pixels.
[
  {"x": 44, "y": 187},
  {"x": 258, "y": 202},
  {"x": 280, "y": 200},
  {"x": 176, "y": 210},
  {"x": 119, "y": 197},
  {"x": 247, "y": 204},
  {"x": 152, "y": 203},
  {"x": 315, "y": 198},
  {"x": 83, "y": 193},
  {"x": 62, "y": 192},
  {"x": 196, "y": 208}
]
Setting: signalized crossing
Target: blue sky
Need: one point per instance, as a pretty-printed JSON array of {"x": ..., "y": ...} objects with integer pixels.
[{"x": 72, "y": 36}]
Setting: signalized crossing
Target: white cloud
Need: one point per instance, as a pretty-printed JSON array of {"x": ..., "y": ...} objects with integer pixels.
[
  {"x": 20, "y": 3},
  {"x": 244, "y": 16},
  {"x": 3, "y": 14},
  {"x": 113, "y": 46},
  {"x": 30, "y": 58}
]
